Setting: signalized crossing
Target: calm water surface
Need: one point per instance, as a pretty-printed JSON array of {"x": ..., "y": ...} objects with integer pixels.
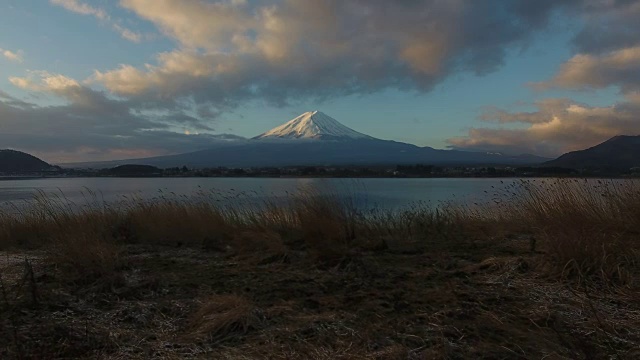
[{"x": 385, "y": 193}]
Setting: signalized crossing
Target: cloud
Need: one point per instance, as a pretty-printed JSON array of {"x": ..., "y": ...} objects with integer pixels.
[
  {"x": 81, "y": 8},
  {"x": 609, "y": 25},
  {"x": 91, "y": 125},
  {"x": 127, "y": 33},
  {"x": 12, "y": 56},
  {"x": 586, "y": 71},
  {"x": 14, "y": 102},
  {"x": 608, "y": 49},
  {"x": 548, "y": 106},
  {"x": 558, "y": 126},
  {"x": 608, "y": 55},
  {"x": 230, "y": 52},
  {"x": 45, "y": 82},
  {"x": 194, "y": 23}
]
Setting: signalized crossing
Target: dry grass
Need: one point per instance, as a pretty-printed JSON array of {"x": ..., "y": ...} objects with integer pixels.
[
  {"x": 221, "y": 317},
  {"x": 585, "y": 228},
  {"x": 315, "y": 277},
  {"x": 87, "y": 259},
  {"x": 260, "y": 245},
  {"x": 171, "y": 222}
]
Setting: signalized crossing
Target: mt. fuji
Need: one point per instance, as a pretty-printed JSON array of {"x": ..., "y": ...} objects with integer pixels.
[
  {"x": 313, "y": 125},
  {"x": 316, "y": 139}
]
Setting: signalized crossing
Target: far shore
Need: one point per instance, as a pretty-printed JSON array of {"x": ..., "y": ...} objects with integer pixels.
[{"x": 320, "y": 176}]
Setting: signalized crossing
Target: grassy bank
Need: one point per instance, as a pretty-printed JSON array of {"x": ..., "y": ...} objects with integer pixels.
[{"x": 544, "y": 269}]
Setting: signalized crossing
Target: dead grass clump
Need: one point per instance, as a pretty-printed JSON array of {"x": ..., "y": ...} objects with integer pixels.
[
  {"x": 270, "y": 214},
  {"x": 587, "y": 228},
  {"x": 171, "y": 222},
  {"x": 412, "y": 230},
  {"x": 20, "y": 234},
  {"x": 220, "y": 317},
  {"x": 324, "y": 237},
  {"x": 87, "y": 258},
  {"x": 260, "y": 244},
  {"x": 585, "y": 254},
  {"x": 327, "y": 222},
  {"x": 46, "y": 217},
  {"x": 500, "y": 265}
]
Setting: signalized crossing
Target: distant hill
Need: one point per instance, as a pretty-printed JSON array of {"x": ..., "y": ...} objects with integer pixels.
[
  {"x": 133, "y": 170},
  {"x": 12, "y": 161},
  {"x": 620, "y": 152}
]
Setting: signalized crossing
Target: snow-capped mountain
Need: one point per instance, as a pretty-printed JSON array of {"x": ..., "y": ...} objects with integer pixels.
[
  {"x": 314, "y": 138},
  {"x": 313, "y": 125}
]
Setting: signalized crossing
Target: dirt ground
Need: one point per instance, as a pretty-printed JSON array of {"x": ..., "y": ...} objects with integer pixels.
[{"x": 471, "y": 300}]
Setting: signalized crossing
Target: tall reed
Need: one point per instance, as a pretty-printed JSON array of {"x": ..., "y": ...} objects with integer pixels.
[
  {"x": 581, "y": 228},
  {"x": 587, "y": 228}
]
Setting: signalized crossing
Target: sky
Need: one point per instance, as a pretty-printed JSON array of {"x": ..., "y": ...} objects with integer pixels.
[{"x": 99, "y": 80}]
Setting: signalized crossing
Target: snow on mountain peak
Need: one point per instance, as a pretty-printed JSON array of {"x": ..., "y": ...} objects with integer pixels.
[{"x": 313, "y": 125}]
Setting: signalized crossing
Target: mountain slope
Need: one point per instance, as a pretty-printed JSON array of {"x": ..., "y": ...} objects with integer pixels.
[
  {"x": 12, "y": 161},
  {"x": 313, "y": 125},
  {"x": 619, "y": 152},
  {"x": 356, "y": 152},
  {"x": 314, "y": 138},
  {"x": 324, "y": 153}
]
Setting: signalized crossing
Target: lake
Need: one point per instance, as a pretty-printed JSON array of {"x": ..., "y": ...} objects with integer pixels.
[{"x": 368, "y": 193}]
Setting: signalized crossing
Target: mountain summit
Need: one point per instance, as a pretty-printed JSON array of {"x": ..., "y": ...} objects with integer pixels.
[{"x": 313, "y": 125}]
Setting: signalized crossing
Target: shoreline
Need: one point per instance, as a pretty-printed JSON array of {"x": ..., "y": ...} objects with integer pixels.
[{"x": 602, "y": 177}]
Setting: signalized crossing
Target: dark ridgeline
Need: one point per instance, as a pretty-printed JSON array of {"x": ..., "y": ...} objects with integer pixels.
[
  {"x": 328, "y": 153},
  {"x": 618, "y": 153},
  {"x": 18, "y": 162},
  {"x": 133, "y": 170}
]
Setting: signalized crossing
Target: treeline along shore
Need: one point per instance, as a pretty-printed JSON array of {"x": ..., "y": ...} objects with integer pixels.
[
  {"x": 545, "y": 269},
  {"x": 380, "y": 171}
]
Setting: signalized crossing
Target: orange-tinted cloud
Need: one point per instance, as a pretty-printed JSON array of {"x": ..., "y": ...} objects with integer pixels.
[
  {"x": 620, "y": 68},
  {"x": 558, "y": 126},
  {"x": 12, "y": 56}
]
